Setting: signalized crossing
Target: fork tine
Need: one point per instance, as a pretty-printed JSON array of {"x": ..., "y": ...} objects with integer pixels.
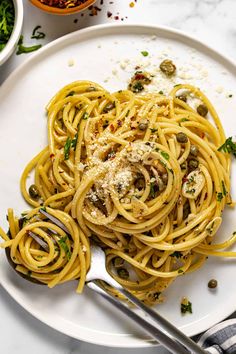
[{"x": 55, "y": 220}]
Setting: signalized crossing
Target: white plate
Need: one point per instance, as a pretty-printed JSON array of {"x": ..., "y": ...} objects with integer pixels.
[{"x": 97, "y": 53}]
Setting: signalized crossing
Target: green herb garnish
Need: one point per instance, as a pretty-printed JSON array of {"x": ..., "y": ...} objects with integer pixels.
[
  {"x": 74, "y": 141},
  {"x": 85, "y": 116},
  {"x": 165, "y": 155},
  {"x": 176, "y": 254},
  {"x": 186, "y": 307},
  {"x": 7, "y": 18},
  {"x": 219, "y": 197},
  {"x": 67, "y": 148},
  {"x": 23, "y": 49},
  {"x": 223, "y": 188},
  {"x": 152, "y": 190},
  {"x": 161, "y": 92},
  {"x": 137, "y": 87},
  {"x": 229, "y": 146},
  {"x": 71, "y": 93},
  {"x": 144, "y": 53},
  {"x": 36, "y": 34},
  {"x": 184, "y": 120},
  {"x": 62, "y": 243},
  {"x": 180, "y": 271},
  {"x": 153, "y": 130}
]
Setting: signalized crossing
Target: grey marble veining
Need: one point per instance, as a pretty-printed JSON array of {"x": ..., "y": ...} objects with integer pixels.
[{"x": 212, "y": 21}]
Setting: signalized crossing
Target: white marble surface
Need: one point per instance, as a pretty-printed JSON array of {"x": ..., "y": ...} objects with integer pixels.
[{"x": 212, "y": 21}]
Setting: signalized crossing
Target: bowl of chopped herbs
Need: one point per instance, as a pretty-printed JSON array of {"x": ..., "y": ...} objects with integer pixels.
[
  {"x": 62, "y": 7},
  {"x": 11, "y": 20}
]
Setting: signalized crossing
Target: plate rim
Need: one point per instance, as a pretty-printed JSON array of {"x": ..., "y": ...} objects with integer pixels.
[{"x": 119, "y": 28}]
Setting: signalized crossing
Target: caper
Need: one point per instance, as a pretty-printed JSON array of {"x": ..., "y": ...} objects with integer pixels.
[
  {"x": 143, "y": 124},
  {"x": 182, "y": 97},
  {"x": 182, "y": 138},
  {"x": 33, "y": 191},
  {"x": 118, "y": 262},
  {"x": 183, "y": 166},
  {"x": 123, "y": 273},
  {"x": 194, "y": 150},
  {"x": 108, "y": 107},
  {"x": 202, "y": 110},
  {"x": 140, "y": 183},
  {"x": 212, "y": 284},
  {"x": 193, "y": 164},
  {"x": 167, "y": 67}
]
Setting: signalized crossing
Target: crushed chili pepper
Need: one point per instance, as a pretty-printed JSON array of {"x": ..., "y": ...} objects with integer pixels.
[{"x": 63, "y": 4}]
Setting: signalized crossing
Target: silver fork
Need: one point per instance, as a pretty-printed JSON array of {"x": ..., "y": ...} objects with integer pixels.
[{"x": 160, "y": 329}]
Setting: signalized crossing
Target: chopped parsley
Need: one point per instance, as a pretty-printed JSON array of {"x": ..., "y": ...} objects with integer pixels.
[
  {"x": 144, "y": 53},
  {"x": 62, "y": 243},
  {"x": 219, "y": 197},
  {"x": 186, "y": 307},
  {"x": 180, "y": 271},
  {"x": 230, "y": 96},
  {"x": 165, "y": 155},
  {"x": 137, "y": 87},
  {"x": 74, "y": 141},
  {"x": 184, "y": 120},
  {"x": 161, "y": 92},
  {"x": 153, "y": 130},
  {"x": 7, "y": 18},
  {"x": 152, "y": 189},
  {"x": 229, "y": 146},
  {"x": 70, "y": 143},
  {"x": 67, "y": 148},
  {"x": 85, "y": 116},
  {"x": 176, "y": 254},
  {"x": 23, "y": 49},
  {"x": 71, "y": 93},
  {"x": 127, "y": 113},
  {"x": 36, "y": 34},
  {"x": 223, "y": 188}
]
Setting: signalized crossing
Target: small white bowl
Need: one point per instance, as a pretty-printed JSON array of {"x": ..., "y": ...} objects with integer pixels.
[{"x": 12, "y": 43}]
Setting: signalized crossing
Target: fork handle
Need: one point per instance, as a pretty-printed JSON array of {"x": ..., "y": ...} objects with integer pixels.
[
  {"x": 169, "y": 343},
  {"x": 173, "y": 331}
]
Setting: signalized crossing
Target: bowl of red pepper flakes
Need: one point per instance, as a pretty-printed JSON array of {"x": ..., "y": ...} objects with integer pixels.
[{"x": 62, "y": 7}]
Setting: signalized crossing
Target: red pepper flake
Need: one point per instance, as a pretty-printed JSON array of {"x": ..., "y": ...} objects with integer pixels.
[
  {"x": 109, "y": 14},
  {"x": 185, "y": 179},
  {"x": 52, "y": 155},
  {"x": 205, "y": 197},
  {"x": 112, "y": 128},
  {"x": 139, "y": 77},
  {"x": 63, "y": 4},
  {"x": 94, "y": 10},
  {"x": 119, "y": 122},
  {"x": 101, "y": 2},
  {"x": 116, "y": 17}
]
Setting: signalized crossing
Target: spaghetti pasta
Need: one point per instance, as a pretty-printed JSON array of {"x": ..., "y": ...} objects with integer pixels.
[{"x": 140, "y": 174}]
